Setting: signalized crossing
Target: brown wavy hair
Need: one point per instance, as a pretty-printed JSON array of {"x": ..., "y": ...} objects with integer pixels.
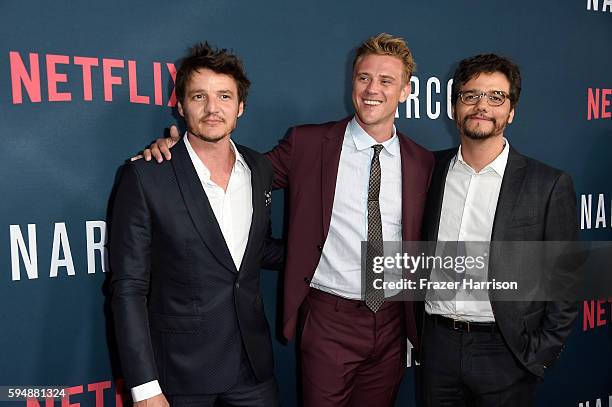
[{"x": 203, "y": 56}]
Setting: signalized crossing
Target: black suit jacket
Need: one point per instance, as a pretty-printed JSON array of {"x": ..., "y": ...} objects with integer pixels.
[
  {"x": 536, "y": 203},
  {"x": 181, "y": 308}
]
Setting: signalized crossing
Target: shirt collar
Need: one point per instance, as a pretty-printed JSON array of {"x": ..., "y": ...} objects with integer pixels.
[
  {"x": 498, "y": 164},
  {"x": 194, "y": 156},
  {"x": 364, "y": 141}
]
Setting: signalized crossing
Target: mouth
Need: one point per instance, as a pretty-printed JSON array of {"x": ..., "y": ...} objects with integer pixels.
[
  {"x": 212, "y": 122},
  {"x": 480, "y": 118},
  {"x": 371, "y": 102}
]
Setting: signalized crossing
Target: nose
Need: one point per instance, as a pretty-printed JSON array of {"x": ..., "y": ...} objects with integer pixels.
[
  {"x": 482, "y": 104},
  {"x": 372, "y": 87},
  {"x": 212, "y": 105}
]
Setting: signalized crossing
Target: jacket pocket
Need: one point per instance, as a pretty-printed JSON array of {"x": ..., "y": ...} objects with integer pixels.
[
  {"x": 532, "y": 321},
  {"x": 175, "y": 323}
]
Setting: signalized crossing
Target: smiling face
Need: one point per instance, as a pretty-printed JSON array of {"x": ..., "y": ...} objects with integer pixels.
[
  {"x": 482, "y": 121},
  {"x": 378, "y": 87},
  {"x": 210, "y": 106}
]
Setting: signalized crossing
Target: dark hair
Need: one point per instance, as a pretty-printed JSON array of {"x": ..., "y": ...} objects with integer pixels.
[
  {"x": 203, "y": 56},
  {"x": 487, "y": 63}
]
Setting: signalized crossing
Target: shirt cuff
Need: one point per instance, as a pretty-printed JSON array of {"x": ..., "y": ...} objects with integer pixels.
[{"x": 145, "y": 391}]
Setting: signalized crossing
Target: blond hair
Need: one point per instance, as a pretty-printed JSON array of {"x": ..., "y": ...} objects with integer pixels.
[{"x": 386, "y": 44}]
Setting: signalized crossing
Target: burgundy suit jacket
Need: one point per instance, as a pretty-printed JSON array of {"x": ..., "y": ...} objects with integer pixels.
[{"x": 306, "y": 162}]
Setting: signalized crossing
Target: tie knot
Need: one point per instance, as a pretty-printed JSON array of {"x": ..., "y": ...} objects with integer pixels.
[{"x": 377, "y": 148}]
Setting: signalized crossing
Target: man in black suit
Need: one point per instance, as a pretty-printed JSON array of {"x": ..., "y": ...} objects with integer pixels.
[
  {"x": 491, "y": 352},
  {"x": 188, "y": 238}
]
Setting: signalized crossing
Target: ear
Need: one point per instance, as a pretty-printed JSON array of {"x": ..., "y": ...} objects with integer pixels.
[
  {"x": 240, "y": 109},
  {"x": 405, "y": 92},
  {"x": 511, "y": 116},
  {"x": 453, "y": 112},
  {"x": 179, "y": 107}
]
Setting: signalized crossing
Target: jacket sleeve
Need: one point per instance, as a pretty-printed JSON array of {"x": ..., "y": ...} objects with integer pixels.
[
  {"x": 280, "y": 157},
  {"x": 129, "y": 254},
  {"x": 561, "y": 226}
]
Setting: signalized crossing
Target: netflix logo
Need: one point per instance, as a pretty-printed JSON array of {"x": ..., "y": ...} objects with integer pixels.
[
  {"x": 64, "y": 74},
  {"x": 596, "y": 313},
  {"x": 92, "y": 394},
  {"x": 598, "y": 103}
]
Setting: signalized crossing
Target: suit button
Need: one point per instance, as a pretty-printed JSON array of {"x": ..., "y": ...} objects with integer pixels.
[
  {"x": 237, "y": 285},
  {"x": 319, "y": 248},
  {"x": 306, "y": 280}
]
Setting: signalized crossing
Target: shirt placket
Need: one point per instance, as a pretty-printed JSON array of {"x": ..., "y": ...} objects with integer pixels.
[{"x": 459, "y": 305}]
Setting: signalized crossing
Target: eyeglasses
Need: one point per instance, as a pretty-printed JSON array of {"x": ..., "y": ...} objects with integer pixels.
[{"x": 494, "y": 97}]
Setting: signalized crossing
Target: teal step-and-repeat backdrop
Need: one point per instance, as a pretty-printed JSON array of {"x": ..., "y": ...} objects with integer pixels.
[{"x": 85, "y": 85}]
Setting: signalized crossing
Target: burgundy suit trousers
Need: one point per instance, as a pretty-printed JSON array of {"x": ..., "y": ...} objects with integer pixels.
[{"x": 350, "y": 355}]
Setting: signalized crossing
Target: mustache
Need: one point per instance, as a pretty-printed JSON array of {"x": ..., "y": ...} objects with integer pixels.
[
  {"x": 491, "y": 119},
  {"x": 480, "y": 116},
  {"x": 212, "y": 116}
]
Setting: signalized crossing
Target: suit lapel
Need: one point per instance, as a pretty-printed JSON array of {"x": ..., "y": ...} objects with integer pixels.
[
  {"x": 257, "y": 193},
  {"x": 436, "y": 193},
  {"x": 199, "y": 207},
  {"x": 512, "y": 183},
  {"x": 332, "y": 146}
]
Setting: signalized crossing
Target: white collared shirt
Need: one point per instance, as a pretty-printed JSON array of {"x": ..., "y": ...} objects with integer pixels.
[
  {"x": 339, "y": 269},
  {"x": 467, "y": 215},
  {"x": 233, "y": 209}
]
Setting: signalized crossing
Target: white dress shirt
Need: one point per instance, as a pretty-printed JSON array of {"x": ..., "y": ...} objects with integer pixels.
[
  {"x": 233, "y": 210},
  {"x": 467, "y": 215},
  {"x": 339, "y": 269}
]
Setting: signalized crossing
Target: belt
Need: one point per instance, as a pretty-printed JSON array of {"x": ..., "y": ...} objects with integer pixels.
[
  {"x": 346, "y": 303},
  {"x": 464, "y": 326}
]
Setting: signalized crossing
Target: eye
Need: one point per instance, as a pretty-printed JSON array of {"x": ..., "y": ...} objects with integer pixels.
[
  {"x": 386, "y": 81},
  {"x": 363, "y": 78},
  {"x": 198, "y": 97},
  {"x": 225, "y": 97}
]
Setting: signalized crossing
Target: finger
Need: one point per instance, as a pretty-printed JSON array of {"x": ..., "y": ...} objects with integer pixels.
[
  {"x": 174, "y": 133},
  {"x": 147, "y": 154},
  {"x": 137, "y": 157},
  {"x": 156, "y": 153},
  {"x": 164, "y": 145}
]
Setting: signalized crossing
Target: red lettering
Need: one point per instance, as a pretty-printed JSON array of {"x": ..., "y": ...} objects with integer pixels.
[
  {"x": 588, "y": 321},
  {"x": 110, "y": 80},
  {"x": 172, "y": 70},
  {"x": 99, "y": 389},
  {"x": 53, "y": 78},
  {"x": 593, "y": 104},
  {"x": 601, "y": 312},
  {"x": 86, "y": 64},
  {"x": 157, "y": 86},
  {"x": 20, "y": 75},
  {"x": 605, "y": 102},
  {"x": 71, "y": 391},
  {"x": 133, "y": 81},
  {"x": 35, "y": 403}
]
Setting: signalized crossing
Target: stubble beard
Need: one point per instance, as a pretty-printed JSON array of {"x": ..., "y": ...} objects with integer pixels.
[
  {"x": 213, "y": 139},
  {"x": 480, "y": 134}
]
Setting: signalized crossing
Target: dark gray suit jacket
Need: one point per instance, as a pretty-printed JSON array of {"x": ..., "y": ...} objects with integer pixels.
[
  {"x": 182, "y": 311},
  {"x": 536, "y": 203}
]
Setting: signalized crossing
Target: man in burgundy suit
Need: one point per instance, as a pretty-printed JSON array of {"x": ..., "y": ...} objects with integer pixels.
[{"x": 349, "y": 181}]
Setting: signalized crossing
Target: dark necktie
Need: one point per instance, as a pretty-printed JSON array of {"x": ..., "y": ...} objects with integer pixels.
[{"x": 374, "y": 298}]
